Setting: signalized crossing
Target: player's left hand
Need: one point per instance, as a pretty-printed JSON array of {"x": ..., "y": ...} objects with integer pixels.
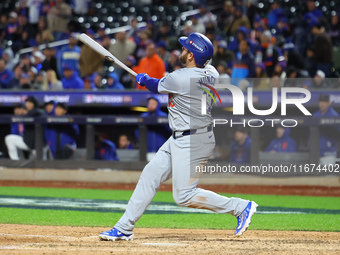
[{"x": 140, "y": 78}]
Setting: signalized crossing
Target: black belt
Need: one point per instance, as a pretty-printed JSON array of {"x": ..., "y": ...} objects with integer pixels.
[{"x": 177, "y": 134}]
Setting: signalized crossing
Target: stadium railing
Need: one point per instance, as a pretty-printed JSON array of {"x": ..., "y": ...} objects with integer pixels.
[{"x": 313, "y": 124}]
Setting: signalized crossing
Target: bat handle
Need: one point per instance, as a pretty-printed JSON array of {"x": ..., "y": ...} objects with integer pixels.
[{"x": 131, "y": 72}]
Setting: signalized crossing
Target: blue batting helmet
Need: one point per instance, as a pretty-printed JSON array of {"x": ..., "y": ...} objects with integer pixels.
[{"x": 199, "y": 45}]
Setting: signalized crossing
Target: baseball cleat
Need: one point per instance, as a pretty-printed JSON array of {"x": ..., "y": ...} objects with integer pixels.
[
  {"x": 244, "y": 219},
  {"x": 114, "y": 235}
]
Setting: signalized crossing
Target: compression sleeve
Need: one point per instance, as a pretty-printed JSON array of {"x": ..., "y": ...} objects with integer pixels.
[{"x": 151, "y": 84}]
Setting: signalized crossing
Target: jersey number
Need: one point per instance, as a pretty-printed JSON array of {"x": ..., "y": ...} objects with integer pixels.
[{"x": 171, "y": 102}]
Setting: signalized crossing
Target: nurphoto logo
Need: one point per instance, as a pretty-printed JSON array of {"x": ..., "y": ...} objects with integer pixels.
[{"x": 206, "y": 84}]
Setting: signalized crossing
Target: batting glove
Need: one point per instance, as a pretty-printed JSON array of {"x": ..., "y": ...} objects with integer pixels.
[{"x": 140, "y": 78}]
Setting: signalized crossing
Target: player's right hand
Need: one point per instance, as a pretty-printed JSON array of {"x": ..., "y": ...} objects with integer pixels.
[{"x": 140, "y": 78}]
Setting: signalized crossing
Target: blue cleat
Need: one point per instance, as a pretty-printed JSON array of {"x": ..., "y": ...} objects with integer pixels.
[
  {"x": 114, "y": 235},
  {"x": 244, "y": 219}
]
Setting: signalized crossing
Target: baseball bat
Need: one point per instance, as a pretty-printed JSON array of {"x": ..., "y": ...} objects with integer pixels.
[{"x": 102, "y": 51}]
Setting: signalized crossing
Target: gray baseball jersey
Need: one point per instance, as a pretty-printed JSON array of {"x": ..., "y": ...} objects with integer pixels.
[
  {"x": 185, "y": 98},
  {"x": 177, "y": 156}
]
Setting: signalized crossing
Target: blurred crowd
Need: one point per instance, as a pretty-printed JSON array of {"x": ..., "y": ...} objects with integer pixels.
[{"x": 253, "y": 49}]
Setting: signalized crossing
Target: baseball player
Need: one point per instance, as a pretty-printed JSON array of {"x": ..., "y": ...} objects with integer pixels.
[{"x": 191, "y": 144}]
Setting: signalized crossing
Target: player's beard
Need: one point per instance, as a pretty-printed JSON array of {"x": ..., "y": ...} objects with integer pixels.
[{"x": 183, "y": 58}]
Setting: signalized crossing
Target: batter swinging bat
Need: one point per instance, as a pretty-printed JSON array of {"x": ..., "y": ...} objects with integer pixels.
[{"x": 102, "y": 51}]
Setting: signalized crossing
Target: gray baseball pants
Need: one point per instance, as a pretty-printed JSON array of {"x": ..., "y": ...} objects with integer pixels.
[{"x": 177, "y": 158}]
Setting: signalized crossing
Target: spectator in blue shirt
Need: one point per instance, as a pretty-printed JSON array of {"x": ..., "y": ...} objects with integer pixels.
[
  {"x": 88, "y": 85},
  {"x": 18, "y": 128},
  {"x": 328, "y": 135},
  {"x": 97, "y": 81},
  {"x": 62, "y": 138},
  {"x": 240, "y": 35},
  {"x": 49, "y": 108},
  {"x": 157, "y": 135},
  {"x": 5, "y": 75},
  {"x": 12, "y": 26},
  {"x": 113, "y": 82},
  {"x": 240, "y": 147},
  {"x": 244, "y": 64},
  {"x": 124, "y": 142},
  {"x": 283, "y": 142},
  {"x": 312, "y": 10},
  {"x": 15, "y": 81},
  {"x": 104, "y": 149},
  {"x": 71, "y": 79},
  {"x": 275, "y": 14},
  {"x": 69, "y": 55}
]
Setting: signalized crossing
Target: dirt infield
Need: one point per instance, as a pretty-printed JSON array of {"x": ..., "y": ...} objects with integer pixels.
[
  {"x": 24, "y": 239},
  {"x": 30, "y": 239},
  {"x": 236, "y": 189}
]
